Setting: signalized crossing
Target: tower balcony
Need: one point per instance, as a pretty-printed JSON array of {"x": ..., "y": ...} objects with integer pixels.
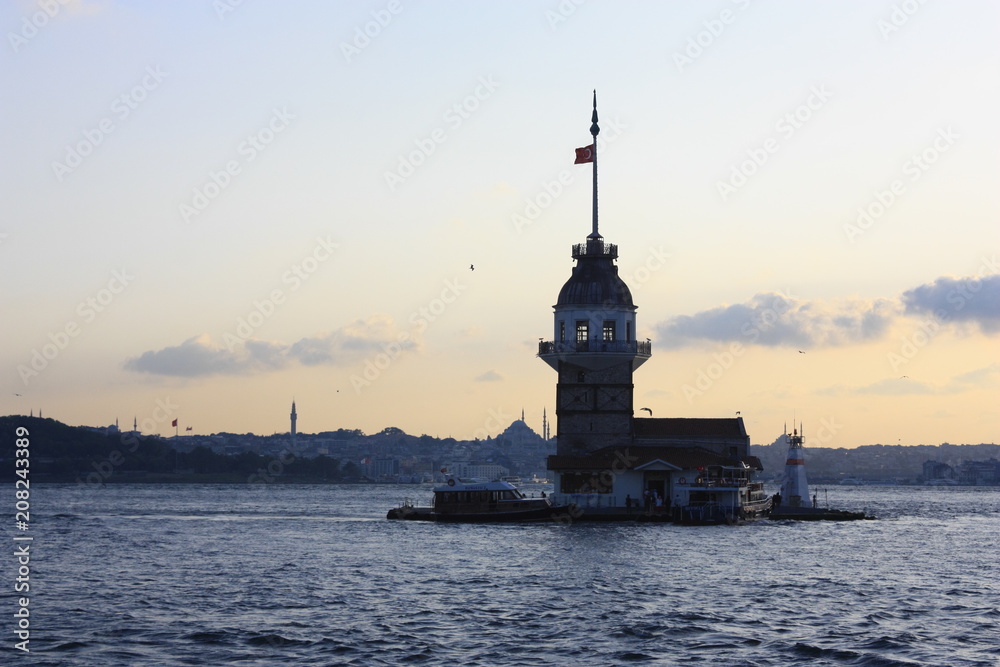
[
  {"x": 595, "y": 248},
  {"x": 594, "y": 354}
]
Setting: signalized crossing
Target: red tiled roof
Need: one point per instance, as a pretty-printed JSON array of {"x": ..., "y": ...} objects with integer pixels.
[{"x": 689, "y": 427}]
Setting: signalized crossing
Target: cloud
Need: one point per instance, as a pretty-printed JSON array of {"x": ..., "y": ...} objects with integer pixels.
[
  {"x": 775, "y": 319},
  {"x": 975, "y": 300},
  {"x": 906, "y": 386},
  {"x": 489, "y": 376},
  {"x": 201, "y": 356},
  {"x": 980, "y": 376},
  {"x": 897, "y": 387}
]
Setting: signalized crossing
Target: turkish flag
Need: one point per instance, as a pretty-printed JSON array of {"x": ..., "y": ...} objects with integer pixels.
[
  {"x": 585, "y": 154},
  {"x": 174, "y": 423}
]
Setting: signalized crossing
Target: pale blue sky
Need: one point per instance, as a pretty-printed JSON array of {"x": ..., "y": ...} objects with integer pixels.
[{"x": 675, "y": 131}]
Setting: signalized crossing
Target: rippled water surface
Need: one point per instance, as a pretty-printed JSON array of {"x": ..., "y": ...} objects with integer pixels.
[{"x": 315, "y": 575}]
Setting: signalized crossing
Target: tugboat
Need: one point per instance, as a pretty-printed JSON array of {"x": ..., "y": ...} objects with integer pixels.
[
  {"x": 790, "y": 503},
  {"x": 482, "y": 502}
]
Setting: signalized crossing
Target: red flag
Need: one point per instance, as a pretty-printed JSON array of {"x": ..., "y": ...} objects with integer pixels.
[
  {"x": 189, "y": 428},
  {"x": 173, "y": 423},
  {"x": 585, "y": 154}
]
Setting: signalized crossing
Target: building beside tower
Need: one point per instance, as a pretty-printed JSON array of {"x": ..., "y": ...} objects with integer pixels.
[{"x": 606, "y": 458}]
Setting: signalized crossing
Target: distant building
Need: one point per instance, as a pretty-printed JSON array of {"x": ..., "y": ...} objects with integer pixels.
[
  {"x": 934, "y": 470},
  {"x": 980, "y": 473},
  {"x": 486, "y": 471},
  {"x": 385, "y": 467}
]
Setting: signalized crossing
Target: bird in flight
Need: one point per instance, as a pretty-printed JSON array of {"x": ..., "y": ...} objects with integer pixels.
[
  {"x": 647, "y": 410},
  {"x": 472, "y": 267},
  {"x": 801, "y": 352}
]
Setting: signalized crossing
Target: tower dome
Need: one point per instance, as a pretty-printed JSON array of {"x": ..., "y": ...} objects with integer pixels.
[{"x": 595, "y": 280}]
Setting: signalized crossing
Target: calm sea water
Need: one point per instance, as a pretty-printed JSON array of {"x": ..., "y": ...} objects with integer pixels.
[{"x": 314, "y": 575}]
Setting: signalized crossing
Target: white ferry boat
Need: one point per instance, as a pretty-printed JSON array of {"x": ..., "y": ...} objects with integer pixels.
[
  {"x": 721, "y": 494},
  {"x": 481, "y": 502}
]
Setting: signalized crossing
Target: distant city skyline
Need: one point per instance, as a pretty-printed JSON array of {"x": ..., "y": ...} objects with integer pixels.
[{"x": 212, "y": 208}]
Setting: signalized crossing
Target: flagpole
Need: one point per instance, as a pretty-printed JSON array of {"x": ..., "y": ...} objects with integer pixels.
[{"x": 594, "y": 130}]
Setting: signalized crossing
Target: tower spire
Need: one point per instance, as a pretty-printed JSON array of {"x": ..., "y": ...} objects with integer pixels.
[{"x": 594, "y": 131}]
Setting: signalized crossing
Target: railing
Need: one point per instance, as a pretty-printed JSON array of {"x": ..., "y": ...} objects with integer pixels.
[
  {"x": 714, "y": 483},
  {"x": 585, "y": 499},
  {"x": 595, "y": 249},
  {"x": 617, "y": 346}
]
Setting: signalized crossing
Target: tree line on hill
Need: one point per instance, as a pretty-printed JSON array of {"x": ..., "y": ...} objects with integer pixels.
[{"x": 61, "y": 453}]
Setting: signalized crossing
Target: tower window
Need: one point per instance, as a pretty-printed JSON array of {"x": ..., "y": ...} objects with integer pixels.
[
  {"x": 562, "y": 330},
  {"x": 628, "y": 331},
  {"x": 581, "y": 331},
  {"x": 609, "y": 330}
]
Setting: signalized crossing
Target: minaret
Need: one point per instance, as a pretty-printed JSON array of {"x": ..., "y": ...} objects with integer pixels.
[
  {"x": 594, "y": 349},
  {"x": 294, "y": 417},
  {"x": 795, "y": 487},
  {"x": 545, "y": 426}
]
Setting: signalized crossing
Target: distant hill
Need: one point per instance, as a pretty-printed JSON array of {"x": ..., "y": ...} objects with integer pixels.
[
  {"x": 872, "y": 462},
  {"x": 61, "y": 453}
]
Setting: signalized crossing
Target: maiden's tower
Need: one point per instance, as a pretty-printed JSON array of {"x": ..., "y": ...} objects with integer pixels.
[{"x": 608, "y": 462}]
